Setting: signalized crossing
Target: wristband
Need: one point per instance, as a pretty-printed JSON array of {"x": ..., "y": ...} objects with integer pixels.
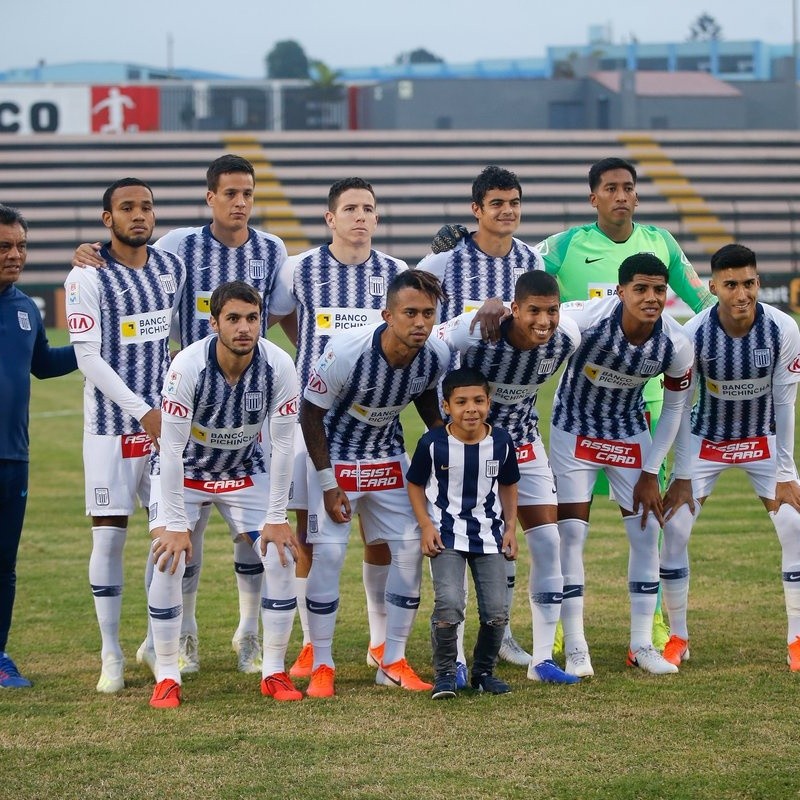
[{"x": 327, "y": 480}]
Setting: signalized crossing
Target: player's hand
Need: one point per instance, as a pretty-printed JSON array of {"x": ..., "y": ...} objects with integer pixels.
[
  {"x": 510, "y": 546},
  {"x": 170, "y": 545},
  {"x": 151, "y": 422},
  {"x": 337, "y": 505},
  {"x": 679, "y": 492},
  {"x": 647, "y": 496},
  {"x": 281, "y": 535},
  {"x": 447, "y": 237},
  {"x": 787, "y": 492},
  {"x": 489, "y": 316},
  {"x": 86, "y": 255},
  {"x": 431, "y": 541}
]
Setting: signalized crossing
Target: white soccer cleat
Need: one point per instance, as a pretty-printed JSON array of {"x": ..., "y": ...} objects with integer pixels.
[
  {"x": 112, "y": 678},
  {"x": 647, "y": 658},
  {"x": 511, "y": 651},
  {"x": 146, "y": 655},
  {"x": 188, "y": 656},
  {"x": 248, "y": 648},
  {"x": 578, "y": 663}
]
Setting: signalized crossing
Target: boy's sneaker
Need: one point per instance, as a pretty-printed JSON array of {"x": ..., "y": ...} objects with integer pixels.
[
  {"x": 146, "y": 655},
  {"x": 489, "y": 683},
  {"x": 462, "y": 677},
  {"x": 9, "y": 674},
  {"x": 548, "y": 671},
  {"x": 304, "y": 662},
  {"x": 511, "y": 651},
  {"x": 188, "y": 655},
  {"x": 280, "y": 687},
  {"x": 676, "y": 650},
  {"x": 401, "y": 675},
  {"x": 166, "y": 694},
  {"x": 793, "y": 657},
  {"x": 112, "y": 678},
  {"x": 660, "y": 631},
  {"x": 578, "y": 663},
  {"x": 647, "y": 658},
  {"x": 321, "y": 683},
  {"x": 248, "y": 648},
  {"x": 444, "y": 687},
  {"x": 375, "y": 655}
]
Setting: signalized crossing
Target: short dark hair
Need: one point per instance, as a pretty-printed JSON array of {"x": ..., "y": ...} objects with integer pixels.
[
  {"x": 642, "y": 264},
  {"x": 493, "y": 177},
  {"x": 733, "y": 256},
  {"x": 597, "y": 170},
  {"x": 121, "y": 184},
  {"x": 341, "y": 186},
  {"x": 535, "y": 282},
  {"x": 418, "y": 279},
  {"x": 225, "y": 164},
  {"x": 233, "y": 290},
  {"x": 463, "y": 376},
  {"x": 10, "y": 216}
]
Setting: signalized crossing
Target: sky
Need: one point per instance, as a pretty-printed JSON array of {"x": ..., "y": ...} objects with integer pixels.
[{"x": 234, "y": 39}]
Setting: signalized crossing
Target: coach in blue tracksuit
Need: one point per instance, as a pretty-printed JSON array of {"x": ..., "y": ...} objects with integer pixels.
[{"x": 25, "y": 351}]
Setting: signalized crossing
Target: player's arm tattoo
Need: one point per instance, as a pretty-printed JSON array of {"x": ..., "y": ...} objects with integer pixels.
[{"x": 313, "y": 426}]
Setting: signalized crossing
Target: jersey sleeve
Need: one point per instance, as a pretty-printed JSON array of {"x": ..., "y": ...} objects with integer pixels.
[
  {"x": 509, "y": 469},
  {"x": 171, "y": 240},
  {"x": 436, "y": 263},
  {"x": 455, "y": 332},
  {"x": 678, "y": 372},
  {"x": 683, "y": 279},
  {"x": 788, "y": 367},
  {"x": 328, "y": 377},
  {"x": 83, "y": 305},
  {"x": 553, "y": 250},
  {"x": 282, "y": 300},
  {"x": 419, "y": 471}
]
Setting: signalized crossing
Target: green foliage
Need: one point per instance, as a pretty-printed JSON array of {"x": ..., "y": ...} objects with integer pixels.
[{"x": 287, "y": 59}]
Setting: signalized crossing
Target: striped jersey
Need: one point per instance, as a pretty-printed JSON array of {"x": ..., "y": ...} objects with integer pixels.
[
  {"x": 330, "y": 297},
  {"x": 470, "y": 277},
  {"x": 514, "y": 375},
  {"x": 129, "y": 312},
  {"x": 600, "y": 392},
  {"x": 364, "y": 395},
  {"x": 735, "y": 376},
  {"x": 210, "y": 263},
  {"x": 460, "y": 483},
  {"x": 226, "y": 420}
]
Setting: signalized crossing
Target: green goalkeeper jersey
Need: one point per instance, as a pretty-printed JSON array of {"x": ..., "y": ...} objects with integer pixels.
[{"x": 585, "y": 262}]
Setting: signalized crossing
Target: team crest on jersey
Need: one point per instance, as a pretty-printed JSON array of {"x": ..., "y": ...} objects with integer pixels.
[
  {"x": 102, "y": 497},
  {"x": 651, "y": 367},
  {"x": 257, "y": 269},
  {"x": 377, "y": 285},
  {"x": 492, "y": 468},
  {"x": 313, "y": 526},
  {"x": 73, "y": 293},
  {"x": 418, "y": 385},
  {"x": 167, "y": 282},
  {"x": 253, "y": 401},
  {"x": 518, "y": 272},
  {"x": 24, "y": 320},
  {"x": 546, "y": 366},
  {"x": 762, "y": 357}
]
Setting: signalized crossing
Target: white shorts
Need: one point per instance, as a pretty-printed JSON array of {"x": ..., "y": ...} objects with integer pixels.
[
  {"x": 116, "y": 473},
  {"x": 242, "y": 502},
  {"x": 576, "y": 460},
  {"x": 376, "y": 488},
  {"x": 536, "y": 486},
  {"x": 755, "y": 456},
  {"x": 298, "y": 494}
]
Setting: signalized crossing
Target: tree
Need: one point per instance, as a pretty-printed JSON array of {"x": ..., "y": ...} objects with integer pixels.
[
  {"x": 287, "y": 59},
  {"x": 323, "y": 76},
  {"x": 705, "y": 29},
  {"x": 418, "y": 56}
]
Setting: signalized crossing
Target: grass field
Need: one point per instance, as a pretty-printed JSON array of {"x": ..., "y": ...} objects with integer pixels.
[{"x": 723, "y": 728}]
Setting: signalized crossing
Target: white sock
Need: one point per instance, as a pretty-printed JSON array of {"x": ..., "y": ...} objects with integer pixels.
[
  {"x": 642, "y": 577},
  {"x": 402, "y": 597},
  {"x": 572, "y": 534},
  {"x": 191, "y": 582},
  {"x": 787, "y": 525},
  {"x": 322, "y": 598},
  {"x": 300, "y": 593},
  {"x": 249, "y": 577},
  {"x": 165, "y": 610},
  {"x": 674, "y": 569},
  {"x": 278, "y": 604},
  {"x": 148, "y": 579},
  {"x": 545, "y": 588},
  {"x": 105, "y": 578},
  {"x": 375, "y": 576}
]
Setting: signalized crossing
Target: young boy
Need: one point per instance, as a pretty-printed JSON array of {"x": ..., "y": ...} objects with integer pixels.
[{"x": 462, "y": 486}]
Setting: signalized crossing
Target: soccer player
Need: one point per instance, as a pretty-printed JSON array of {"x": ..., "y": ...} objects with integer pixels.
[
  {"x": 480, "y": 273},
  {"x": 318, "y": 295},
  {"x": 532, "y": 345},
  {"x": 462, "y": 487},
  {"x": 217, "y": 396},
  {"x": 747, "y": 365},
  {"x": 227, "y": 249},
  {"x": 119, "y": 318},
  {"x": 598, "y": 422},
  {"x": 350, "y": 420},
  {"x": 26, "y": 351}
]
